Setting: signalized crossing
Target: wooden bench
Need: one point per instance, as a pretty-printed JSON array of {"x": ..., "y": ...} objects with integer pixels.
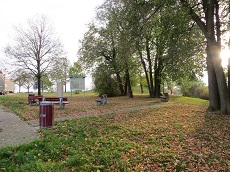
[
  {"x": 32, "y": 99},
  {"x": 103, "y": 100},
  {"x": 62, "y": 101},
  {"x": 165, "y": 97}
]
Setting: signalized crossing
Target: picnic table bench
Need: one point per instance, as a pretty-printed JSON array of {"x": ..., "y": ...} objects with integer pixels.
[
  {"x": 103, "y": 100},
  {"x": 62, "y": 101},
  {"x": 32, "y": 99},
  {"x": 165, "y": 97}
]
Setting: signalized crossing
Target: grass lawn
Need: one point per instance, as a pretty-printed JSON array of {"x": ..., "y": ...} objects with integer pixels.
[{"x": 175, "y": 136}]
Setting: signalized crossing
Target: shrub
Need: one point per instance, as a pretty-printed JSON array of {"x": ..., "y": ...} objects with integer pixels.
[
  {"x": 105, "y": 82},
  {"x": 196, "y": 90}
]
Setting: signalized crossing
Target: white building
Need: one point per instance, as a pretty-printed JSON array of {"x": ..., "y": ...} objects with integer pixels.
[{"x": 6, "y": 85}]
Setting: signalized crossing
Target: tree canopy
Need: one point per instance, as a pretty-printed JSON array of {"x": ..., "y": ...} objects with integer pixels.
[
  {"x": 35, "y": 48},
  {"x": 145, "y": 36},
  {"x": 164, "y": 40}
]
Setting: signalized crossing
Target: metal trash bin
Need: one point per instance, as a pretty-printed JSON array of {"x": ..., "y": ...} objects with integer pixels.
[
  {"x": 31, "y": 94},
  {"x": 46, "y": 118}
]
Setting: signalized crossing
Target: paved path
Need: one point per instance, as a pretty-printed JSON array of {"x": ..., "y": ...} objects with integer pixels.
[{"x": 14, "y": 131}]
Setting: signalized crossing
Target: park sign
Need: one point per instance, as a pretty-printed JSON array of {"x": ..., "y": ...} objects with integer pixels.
[
  {"x": 35, "y": 86},
  {"x": 77, "y": 83}
]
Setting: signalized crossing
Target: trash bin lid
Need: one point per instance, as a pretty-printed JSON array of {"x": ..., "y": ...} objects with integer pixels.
[
  {"x": 31, "y": 94},
  {"x": 46, "y": 103}
]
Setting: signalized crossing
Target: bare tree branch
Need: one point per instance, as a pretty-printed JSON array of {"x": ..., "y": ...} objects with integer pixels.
[{"x": 36, "y": 47}]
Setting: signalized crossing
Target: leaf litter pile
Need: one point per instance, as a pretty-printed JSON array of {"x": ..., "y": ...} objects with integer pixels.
[{"x": 174, "y": 136}]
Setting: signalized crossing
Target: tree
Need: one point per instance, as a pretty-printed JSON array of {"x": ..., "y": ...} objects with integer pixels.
[
  {"x": 207, "y": 15},
  {"x": 99, "y": 47},
  {"x": 28, "y": 80},
  {"x": 76, "y": 70},
  {"x": 60, "y": 71},
  {"x": 104, "y": 81},
  {"x": 36, "y": 48},
  {"x": 161, "y": 35},
  {"x": 165, "y": 38},
  {"x": 47, "y": 83},
  {"x": 19, "y": 78}
]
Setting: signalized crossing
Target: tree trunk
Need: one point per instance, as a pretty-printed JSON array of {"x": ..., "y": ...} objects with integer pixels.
[
  {"x": 229, "y": 76},
  {"x": 145, "y": 69},
  {"x": 214, "y": 97},
  {"x": 211, "y": 31},
  {"x": 129, "y": 84},
  {"x": 222, "y": 85},
  {"x": 150, "y": 69},
  {"x": 39, "y": 84},
  {"x": 126, "y": 86},
  {"x": 157, "y": 74},
  {"x": 229, "y": 70},
  {"x": 120, "y": 84},
  {"x": 157, "y": 83},
  {"x": 142, "y": 91}
]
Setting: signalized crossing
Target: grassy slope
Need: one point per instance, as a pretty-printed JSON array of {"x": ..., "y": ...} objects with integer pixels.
[{"x": 177, "y": 136}]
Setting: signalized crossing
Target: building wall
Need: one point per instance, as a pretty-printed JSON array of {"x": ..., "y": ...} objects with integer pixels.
[
  {"x": 9, "y": 85},
  {"x": 1, "y": 82}
]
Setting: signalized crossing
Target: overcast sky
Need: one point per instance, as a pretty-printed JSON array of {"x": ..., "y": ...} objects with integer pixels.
[{"x": 69, "y": 18}]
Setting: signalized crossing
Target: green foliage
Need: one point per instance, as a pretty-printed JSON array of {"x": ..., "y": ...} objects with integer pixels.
[
  {"x": 203, "y": 92},
  {"x": 76, "y": 70},
  {"x": 47, "y": 84},
  {"x": 60, "y": 70},
  {"x": 184, "y": 55},
  {"x": 104, "y": 81},
  {"x": 196, "y": 89},
  {"x": 20, "y": 76},
  {"x": 174, "y": 45}
]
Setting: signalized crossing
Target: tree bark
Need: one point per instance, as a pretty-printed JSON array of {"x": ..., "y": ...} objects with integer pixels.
[
  {"x": 120, "y": 84},
  {"x": 126, "y": 86},
  {"x": 211, "y": 31},
  {"x": 142, "y": 91},
  {"x": 129, "y": 84},
  {"x": 229, "y": 70},
  {"x": 214, "y": 97},
  {"x": 157, "y": 78},
  {"x": 145, "y": 69},
  {"x": 222, "y": 85},
  {"x": 157, "y": 73},
  {"x": 39, "y": 85},
  {"x": 150, "y": 69}
]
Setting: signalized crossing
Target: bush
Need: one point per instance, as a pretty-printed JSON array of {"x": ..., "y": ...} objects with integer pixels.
[
  {"x": 197, "y": 90},
  {"x": 204, "y": 93},
  {"x": 104, "y": 82}
]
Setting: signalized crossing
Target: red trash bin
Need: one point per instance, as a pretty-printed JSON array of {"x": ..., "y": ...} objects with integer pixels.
[{"x": 46, "y": 118}]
